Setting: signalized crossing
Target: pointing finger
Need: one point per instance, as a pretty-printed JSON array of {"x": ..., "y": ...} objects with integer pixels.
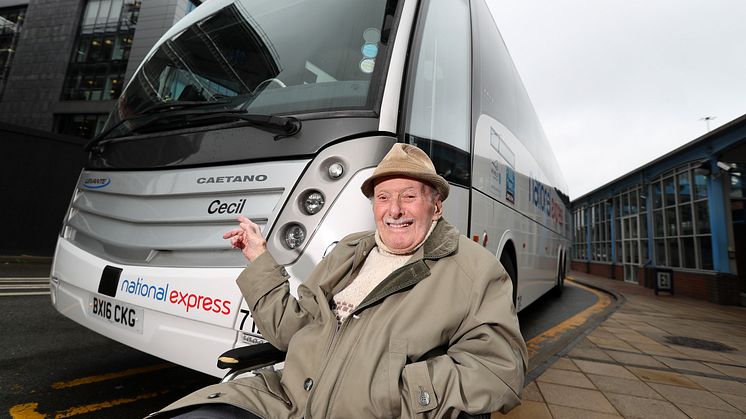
[{"x": 232, "y": 233}]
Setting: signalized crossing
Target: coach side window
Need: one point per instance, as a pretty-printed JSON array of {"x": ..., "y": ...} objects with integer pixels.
[{"x": 439, "y": 88}]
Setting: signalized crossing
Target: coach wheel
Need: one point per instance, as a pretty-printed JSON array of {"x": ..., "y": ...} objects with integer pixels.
[
  {"x": 560, "y": 285},
  {"x": 507, "y": 263}
]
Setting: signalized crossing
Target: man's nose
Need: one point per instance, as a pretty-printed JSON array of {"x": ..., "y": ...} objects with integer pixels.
[{"x": 395, "y": 208}]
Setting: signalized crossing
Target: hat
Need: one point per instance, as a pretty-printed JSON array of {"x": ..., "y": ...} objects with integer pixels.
[{"x": 408, "y": 161}]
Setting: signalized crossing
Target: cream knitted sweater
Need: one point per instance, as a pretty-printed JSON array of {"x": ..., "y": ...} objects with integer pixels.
[{"x": 379, "y": 264}]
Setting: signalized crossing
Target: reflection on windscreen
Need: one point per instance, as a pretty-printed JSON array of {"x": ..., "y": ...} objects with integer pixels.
[{"x": 271, "y": 57}]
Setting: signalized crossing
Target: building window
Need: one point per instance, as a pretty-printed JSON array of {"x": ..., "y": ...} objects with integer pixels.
[
  {"x": 11, "y": 20},
  {"x": 579, "y": 248},
  {"x": 644, "y": 251},
  {"x": 630, "y": 218},
  {"x": 681, "y": 220},
  {"x": 84, "y": 126},
  {"x": 600, "y": 232},
  {"x": 99, "y": 60}
]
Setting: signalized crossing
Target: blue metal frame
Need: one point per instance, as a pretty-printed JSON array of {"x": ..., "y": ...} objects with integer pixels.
[
  {"x": 718, "y": 218},
  {"x": 612, "y": 228},
  {"x": 586, "y": 216}
]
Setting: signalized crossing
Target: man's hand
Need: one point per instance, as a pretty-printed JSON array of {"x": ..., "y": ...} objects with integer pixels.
[{"x": 248, "y": 238}]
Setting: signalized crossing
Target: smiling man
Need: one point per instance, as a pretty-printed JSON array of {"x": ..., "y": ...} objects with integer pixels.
[{"x": 411, "y": 320}]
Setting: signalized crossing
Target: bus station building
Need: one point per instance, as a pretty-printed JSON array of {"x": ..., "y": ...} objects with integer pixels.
[{"x": 675, "y": 224}]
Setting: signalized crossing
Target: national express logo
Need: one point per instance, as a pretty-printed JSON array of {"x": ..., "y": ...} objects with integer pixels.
[
  {"x": 543, "y": 199},
  {"x": 188, "y": 300},
  {"x": 96, "y": 182}
]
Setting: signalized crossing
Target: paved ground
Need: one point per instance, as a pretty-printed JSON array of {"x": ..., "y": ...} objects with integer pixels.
[{"x": 655, "y": 357}]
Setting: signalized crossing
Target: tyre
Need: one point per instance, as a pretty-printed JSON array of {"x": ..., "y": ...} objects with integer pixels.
[
  {"x": 507, "y": 263},
  {"x": 560, "y": 285}
]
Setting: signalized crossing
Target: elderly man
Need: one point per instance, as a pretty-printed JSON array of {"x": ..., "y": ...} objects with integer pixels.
[{"x": 412, "y": 320}]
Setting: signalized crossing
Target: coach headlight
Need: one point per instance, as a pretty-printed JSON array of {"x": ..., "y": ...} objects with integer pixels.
[
  {"x": 294, "y": 234},
  {"x": 312, "y": 202},
  {"x": 336, "y": 170}
]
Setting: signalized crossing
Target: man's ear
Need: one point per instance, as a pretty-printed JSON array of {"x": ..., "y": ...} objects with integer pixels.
[{"x": 438, "y": 210}]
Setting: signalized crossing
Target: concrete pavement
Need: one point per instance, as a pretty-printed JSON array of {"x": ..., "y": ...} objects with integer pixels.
[{"x": 655, "y": 357}]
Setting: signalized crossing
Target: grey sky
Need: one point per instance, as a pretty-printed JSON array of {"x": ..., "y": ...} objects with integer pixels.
[{"x": 618, "y": 83}]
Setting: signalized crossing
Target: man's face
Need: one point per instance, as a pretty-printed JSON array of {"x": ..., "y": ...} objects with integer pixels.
[{"x": 404, "y": 211}]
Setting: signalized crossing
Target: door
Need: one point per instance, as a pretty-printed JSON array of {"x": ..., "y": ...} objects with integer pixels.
[
  {"x": 738, "y": 215},
  {"x": 630, "y": 235},
  {"x": 438, "y": 97}
]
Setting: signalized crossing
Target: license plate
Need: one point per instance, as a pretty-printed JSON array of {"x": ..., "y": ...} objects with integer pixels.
[{"x": 117, "y": 313}]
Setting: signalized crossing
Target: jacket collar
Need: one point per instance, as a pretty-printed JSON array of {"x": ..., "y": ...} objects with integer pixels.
[{"x": 443, "y": 241}]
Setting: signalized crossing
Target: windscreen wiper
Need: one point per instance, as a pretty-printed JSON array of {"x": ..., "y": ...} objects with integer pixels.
[
  {"x": 153, "y": 109},
  {"x": 281, "y": 126},
  {"x": 180, "y": 104}
]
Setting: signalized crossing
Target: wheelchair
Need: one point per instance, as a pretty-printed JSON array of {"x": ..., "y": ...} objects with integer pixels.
[{"x": 245, "y": 359}]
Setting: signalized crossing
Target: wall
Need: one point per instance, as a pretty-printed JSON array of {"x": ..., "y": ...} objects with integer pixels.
[
  {"x": 605, "y": 270},
  {"x": 712, "y": 287},
  {"x": 40, "y": 63},
  {"x": 39, "y": 171}
]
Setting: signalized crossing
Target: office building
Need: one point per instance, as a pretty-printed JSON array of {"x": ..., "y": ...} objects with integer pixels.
[{"x": 63, "y": 63}]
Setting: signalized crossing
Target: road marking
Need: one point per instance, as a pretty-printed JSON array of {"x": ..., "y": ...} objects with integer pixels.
[
  {"x": 79, "y": 410},
  {"x": 28, "y": 410},
  {"x": 535, "y": 344},
  {"x": 109, "y": 376},
  {"x": 21, "y": 287}
]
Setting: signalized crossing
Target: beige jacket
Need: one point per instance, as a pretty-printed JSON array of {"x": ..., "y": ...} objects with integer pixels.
[{"x": 438, "y": 336}]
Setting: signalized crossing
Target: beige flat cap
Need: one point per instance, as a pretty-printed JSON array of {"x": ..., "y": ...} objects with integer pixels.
[{"x": 408, "y": 161}]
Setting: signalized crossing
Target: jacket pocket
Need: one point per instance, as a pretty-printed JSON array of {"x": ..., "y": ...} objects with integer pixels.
[
  {"x": 397, "y": 359},
  {"x": 416, "y": 378}
]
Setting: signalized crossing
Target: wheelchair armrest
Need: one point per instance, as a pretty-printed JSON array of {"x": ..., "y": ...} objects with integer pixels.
[{"x": 250, "y": 357}]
